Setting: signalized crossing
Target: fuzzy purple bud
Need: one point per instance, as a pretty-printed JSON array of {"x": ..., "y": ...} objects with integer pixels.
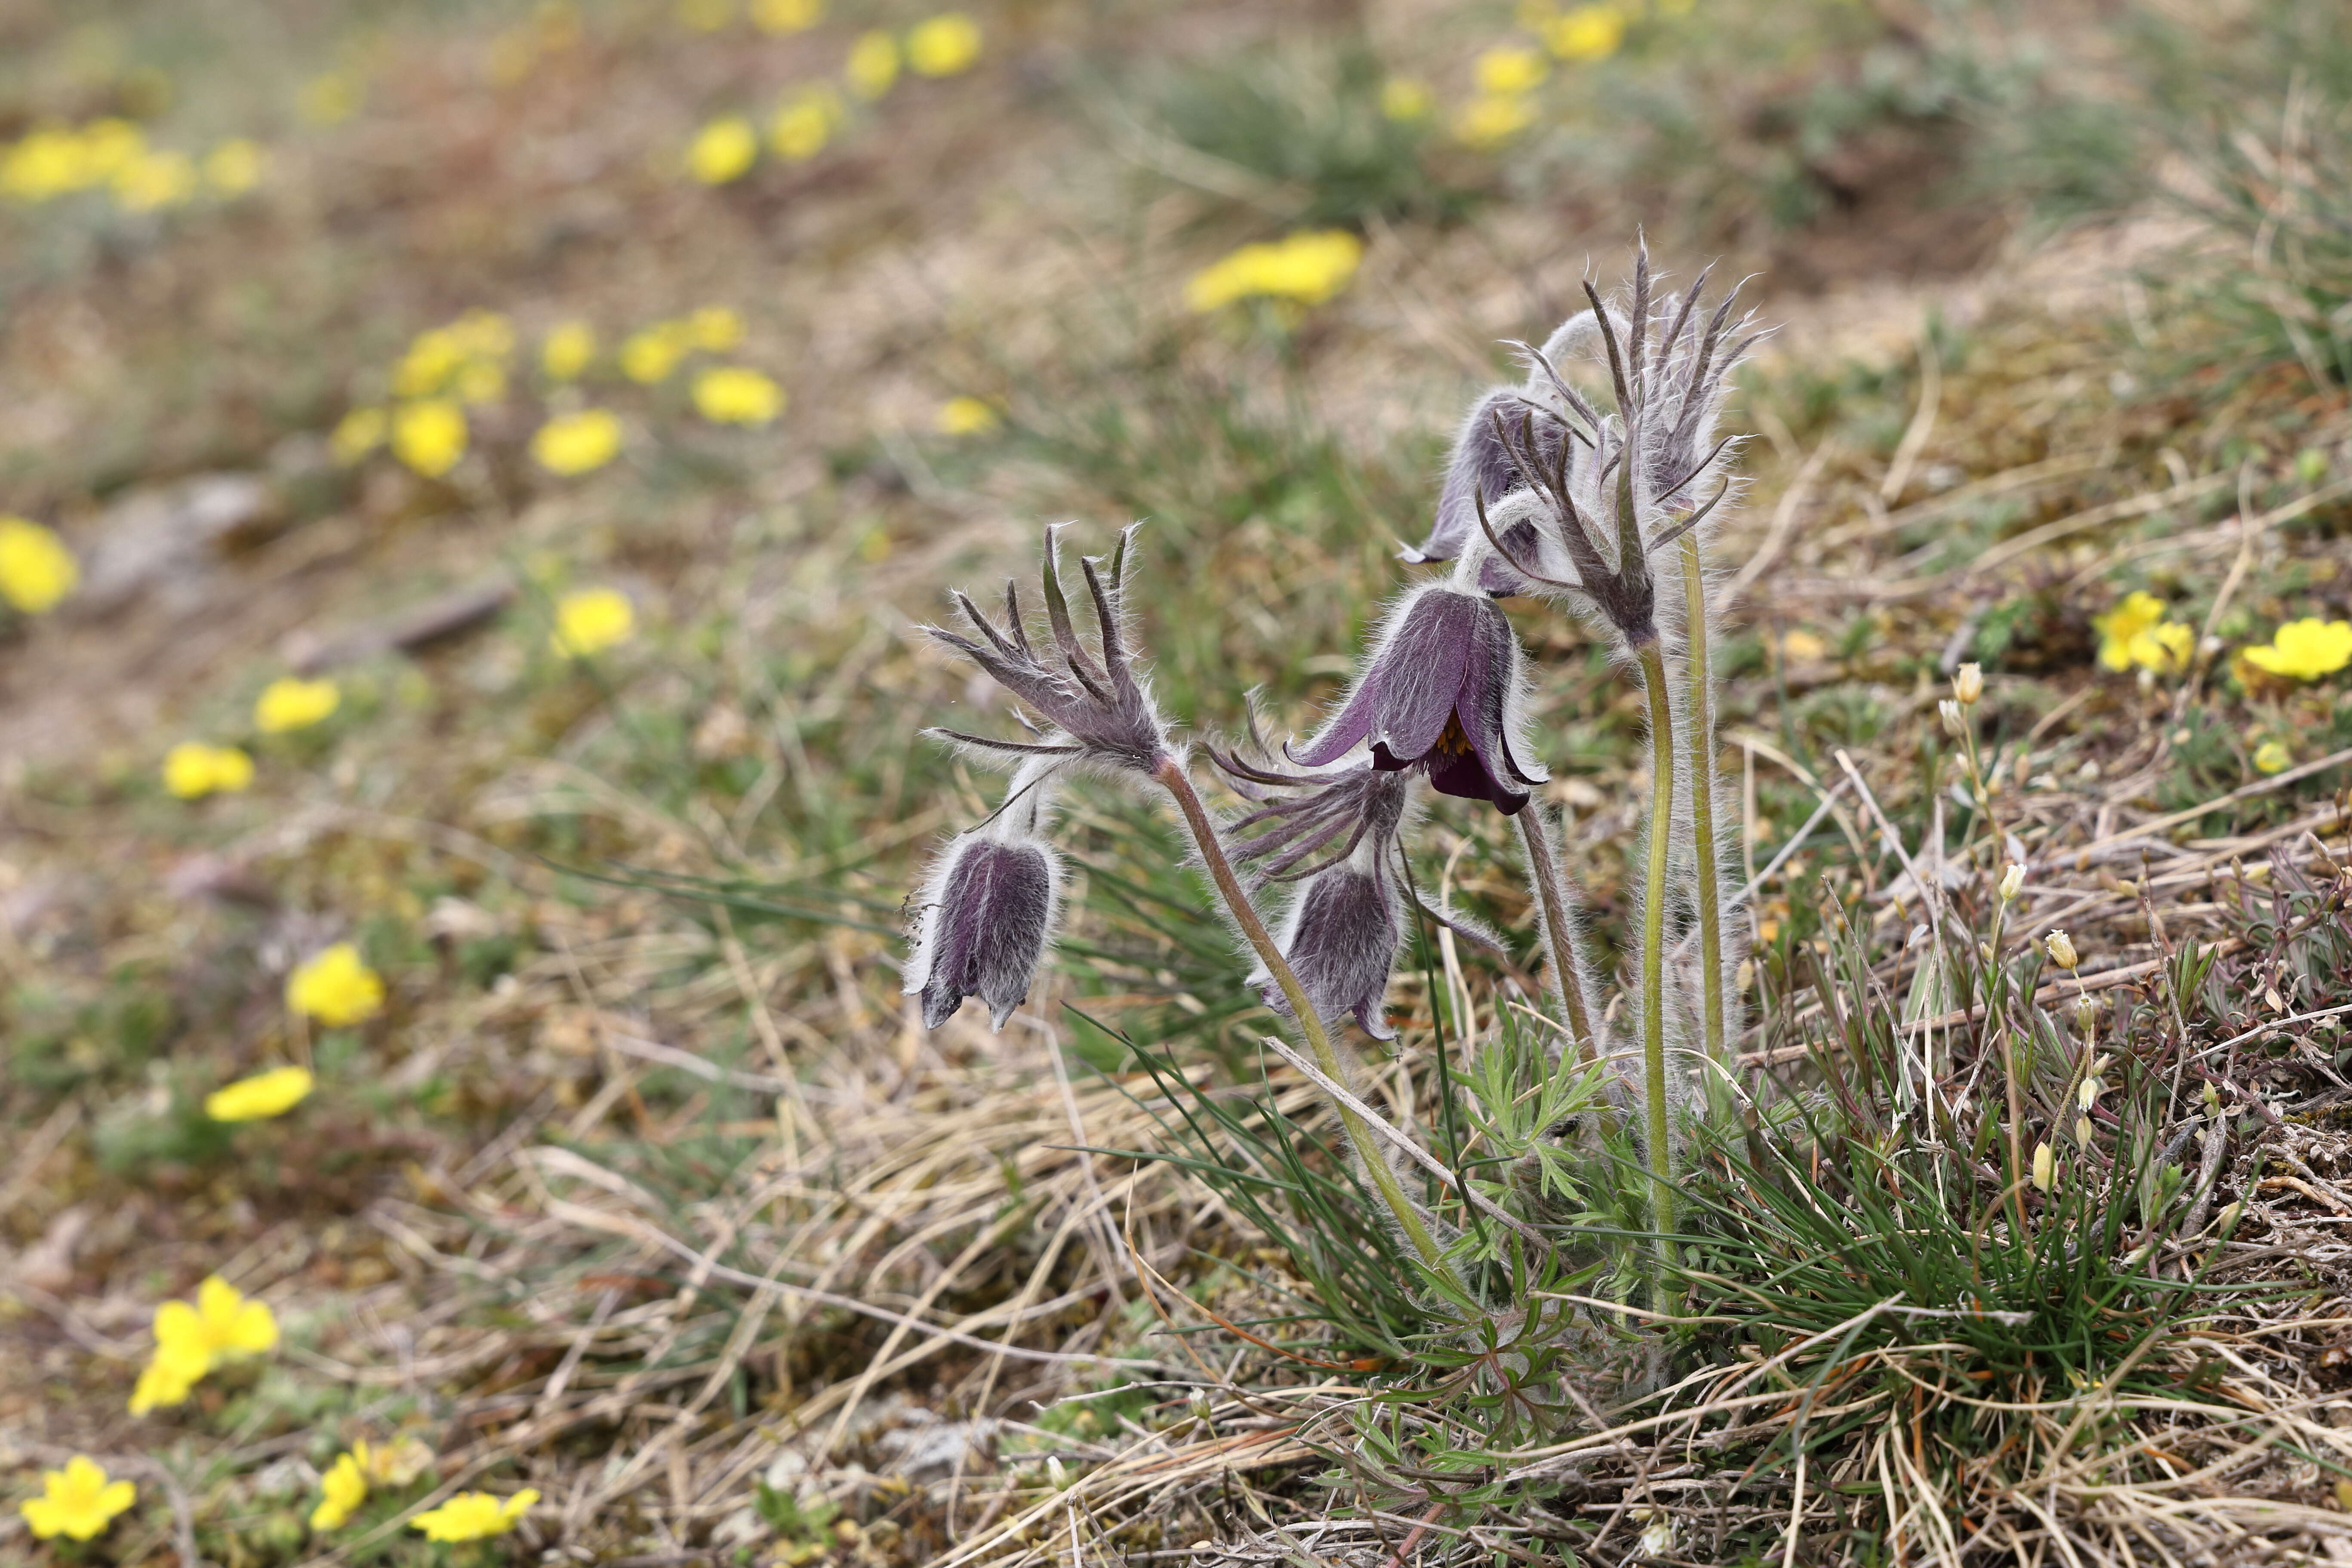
[
  {"x": 1442, "y": 688},
  {"x": 1341, "y": 940},
  {"x": 984, "y": 918},
  {"x": 1481, "y": 464}
]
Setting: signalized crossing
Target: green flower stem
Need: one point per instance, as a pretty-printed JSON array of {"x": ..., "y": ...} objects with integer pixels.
[
  {"x": 1654, "y": 958},
  {"x": 1702, "y": 772},
  {"x": 1544, "y": 867},
  {"x": 1172, "y": 778}
]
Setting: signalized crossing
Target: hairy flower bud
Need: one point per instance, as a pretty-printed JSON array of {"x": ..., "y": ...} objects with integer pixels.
[
  {"x": 1340, "y": 938},
  {"x": 2012, "y": 881},
  {"x": 981, "y": 920},
  {"x": 1968, "y": 684},
  {"x": 2061, "y": 948},
  {"x": 1443, "y": 687}
]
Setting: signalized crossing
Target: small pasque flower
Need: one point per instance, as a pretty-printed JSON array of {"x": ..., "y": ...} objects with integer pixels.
[
  {"x": 590, "y": 620},
  {"x": 2304, "y": 649},
  {"x": 36, "y": 571},
  {"x": 290, "y": 704},
  {"x": 475, "y": 1516},
  {"x": 261, "y": 1097},
  {"x": 1442, "y": 689},
  {"x": 336, "y": 987},
  {"x": 983, "y": 920},
  {"x": 78, "y": 1502},
  {"x": 344, "y": 1488}
]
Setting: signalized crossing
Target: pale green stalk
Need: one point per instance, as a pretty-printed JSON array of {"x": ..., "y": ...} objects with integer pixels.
[
  {"x": 1172, "y": 778},
  {"x": 1653, "y": 967},
  {"x": 1702, "y": 772},
  {"x": 1551, "y": 891}
]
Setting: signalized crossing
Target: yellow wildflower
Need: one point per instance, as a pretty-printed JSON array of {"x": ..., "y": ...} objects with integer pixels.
[
  {"x": 356, "y": 434},
  {"x": 193, "y": 770},
  {"x": 2272, "y": 757},
  {"x": 591, "y": 620},
  {"x": 109, "y": 146},
  {"x": 329, "y": 99},
  {"x": 1585, "y": 33},
  {"x": 650, "y": 355},
  {"x": 344, "y": 1486},
  {"x": 1309, "y": 267},
  {"x": 944, "y": 45},
  {"x": 706, "y": 15},
  {"x": 168, "y": 1379},
  {"x": 1404, "y": 99},
  {"x": 261, "y": 1097},
  {"x": 873, "y": 65},
  {"x": 722, "y": 150},
  {"x": 335, "y": 986},
  {"x": 484, "y": 335},
  {"x": 37, "y": 570},
  {"x": 429, "y": 436},
  {"x": 965, "y": 417},
  {"x": 1487, "y": 121},
  {"x": 568, "y": 348},
  {"x": 156, "y": 180},
  {"x": 2135, "y": 633},
  {"x": 732, "y": 395},
  {"x": 393, "y": 1464},
  {"x": 287, "y": 704},
  {"x": 45, "y": 162},
  {"x": 2304, "y": 649},
  {"x": 577, "y": 443},
  {"x": 1508, "y": 72},
  {"x": 234, "y": 167},
  {"x": 805, "y": 123},
  {"x": 474, "y": 1516},
  {"x": 713, "y": 327},
  {"x": 191, "y": 1339},
  {"x": 478, "y": 382},
  {"x": 786, "y": 15},
  {"x": 432, "y": 358},
  {"x": 78, "y": 1502}
]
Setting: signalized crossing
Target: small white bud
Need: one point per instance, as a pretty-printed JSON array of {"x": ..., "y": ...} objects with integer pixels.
[
  {"x": 2086, "y": 1014},
  {"x": 2012, "y": 882},
  {"x": 2062, "y": 950},
  {"x": 2212, "y": 1102},
  {"x": 1058, "y": 1474},
  {"x": 2088, "y": 1095},
  {"x": 2082, "y": 1130},
  {"x": 1743, "y": 980},
  {"x": 1949, "y": 712},
  {"x": 1968, "y": 684},
  {"x": 1984, "y": 951},
  {"x": 2045, "y": 1166}
]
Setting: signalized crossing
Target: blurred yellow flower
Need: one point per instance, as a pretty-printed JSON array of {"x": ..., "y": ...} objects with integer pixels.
[
  {"x": 261, "y": 1097},
  {"x": 193, "y": 770},
  {"x": 706, "y": 15},
  {"x": 78, "y": 1502},
  {"x": 1487, "y": 122},
  {"x": 567, "y": 349},
  {"x": 474, "y": 1516},
  {"x": 286, "y": 704},
  {"x": 1585, "y": 33},
  {"x": 943, "y": 45},
  {"x": 234, "y": 167},
  {"x": 786, "y": 15},
  {"x": 722, "y": 150},
  {"x": 577, "y": 443},
  {"x": 650, "y": 354},
  {"x": 1405, "y": 100},
  {"x": 329, "y": 99},
  {"x": 393, "y": 1464},
  {"x": 591, "y": 620},
  {"x": 2271, "y": 757},
  {"x": 356, "y": 434},
  {"x": 429, "y": 436},
  {"x": 965, "y": 415},
  {"x": 109, "y": 146},
  {"x": 715, "y": 328},
  {"x": 873, "y": 64},
  {"x": 168, "y": 1379},
  {"x": 2304, "y": 649},
  {"x": 805, "y": 123},
  {"x": 45, "y": 162},
  {"x": 1309, "y": 267},
  {"x": 1507, "y": 71},
  {"x": 190, "y": 1341},
  {"x": 335, "y": 986},
  {"x": 156, "y": 180},
  {"x": 432, "y": 356},
  {"x": 478, "y": 382},
  {"x": 2134, "y": 633},
  {"x": 484, "y": 335},
  {"x": 732, "y": 395},
  {"x": 37, "y": 570},
  {"x": 344, "y": 1488}
]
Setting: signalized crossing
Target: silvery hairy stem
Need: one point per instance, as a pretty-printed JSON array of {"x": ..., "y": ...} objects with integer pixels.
[
  {"x": 1660, "y": 1152},
  {"x": 1701, "y": 704}
]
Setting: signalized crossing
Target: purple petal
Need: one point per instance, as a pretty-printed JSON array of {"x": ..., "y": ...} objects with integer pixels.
[
  {"x": 1425, "y": 665},
  {"x": 992, "y": 915},
  {"x": 1350, "y": 725},
  {"x": 1341, "y": 945}
]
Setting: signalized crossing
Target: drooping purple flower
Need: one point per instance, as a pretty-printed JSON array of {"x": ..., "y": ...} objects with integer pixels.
[
  {"x": 1096, "y": 706},
  {"x": 1480, "y": 465},
  {"x": 981, "y": 924},
  {"x": 1442, "y": 688}
]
